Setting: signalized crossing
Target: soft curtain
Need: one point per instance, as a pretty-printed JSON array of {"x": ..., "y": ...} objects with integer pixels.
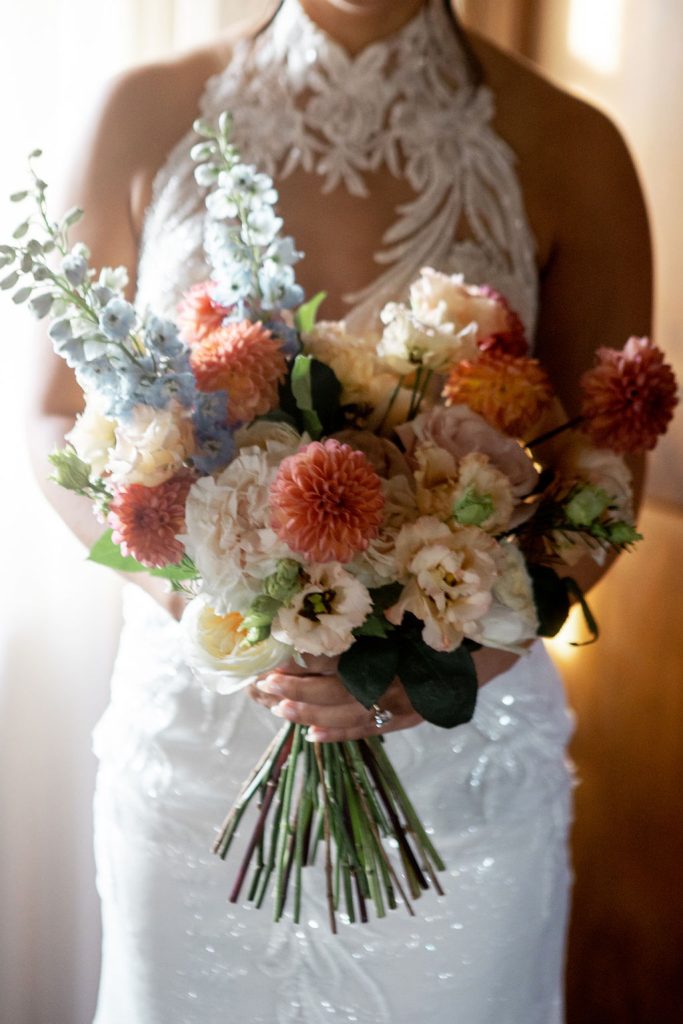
[{"x": 58, "y": 614}]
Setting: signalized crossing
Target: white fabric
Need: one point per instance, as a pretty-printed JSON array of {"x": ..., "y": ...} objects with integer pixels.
[{"x": 495, "y": 792}]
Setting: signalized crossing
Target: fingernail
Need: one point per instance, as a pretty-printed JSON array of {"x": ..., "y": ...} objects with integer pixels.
[
  {"x": 281, "y": 710},
  {"x": 314, "y": 735},
  {"x": 266, "y": 686}
]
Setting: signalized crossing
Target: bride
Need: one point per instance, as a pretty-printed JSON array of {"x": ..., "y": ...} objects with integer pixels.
[{"x": 396, "y": 141}]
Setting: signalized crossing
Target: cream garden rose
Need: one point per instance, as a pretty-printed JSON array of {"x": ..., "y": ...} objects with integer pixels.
[
  {"x": 512, "y": 620},
  {"x": 218, "y": 649},
  {"x": 445, "y": 300},
  {"x": 93, "y": 435}
]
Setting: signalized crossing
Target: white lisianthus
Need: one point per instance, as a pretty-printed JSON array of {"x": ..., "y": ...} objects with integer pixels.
[
  {"x": 445, "y": 301},
  {"x": 321, "y": 617},
  {"x": 451, "y": 572},
  {"x": 408, "y": 342},
  {"x": 217, "y": 648},
  {"x": 269, "y": 436},
  {"x": 512, "y": 620},
  {"x": 151, "y": 445},
  {"x": 228, "y": 533},
  {"x": 93, "y": 434}
]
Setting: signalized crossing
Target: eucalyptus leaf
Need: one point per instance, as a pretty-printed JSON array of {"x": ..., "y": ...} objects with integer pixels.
[
  {"x": 9, "y": 281},
  {"x": 441, "y": 685},
  {"x": 368, "y": 668},
  {"x": 22, "y": 295},
  {"x": 35, "y": 153},
  {"x": 21, "y": 230},
  {"x": 7, "y": 250},
  {"x": 18, "y": 197},
  {"x": 72, "y": 217}
]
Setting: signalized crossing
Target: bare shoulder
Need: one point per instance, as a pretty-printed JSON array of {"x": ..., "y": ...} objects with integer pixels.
[{"x": 573, "y": 160}]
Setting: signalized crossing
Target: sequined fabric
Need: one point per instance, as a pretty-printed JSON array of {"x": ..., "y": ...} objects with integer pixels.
[{"x": 495, "y": 793}]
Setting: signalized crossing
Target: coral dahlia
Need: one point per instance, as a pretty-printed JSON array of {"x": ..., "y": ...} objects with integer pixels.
[
  {"x": 146, "y": 520},
  {"x": 244, "y": 359},
  {"x": 510, "y": 392},
  {"x": 198, "y": 314},
  {"x": 326, "y": 502},
  {"x": 509, "y": 339},
  {"x": 629, "y": 397}
]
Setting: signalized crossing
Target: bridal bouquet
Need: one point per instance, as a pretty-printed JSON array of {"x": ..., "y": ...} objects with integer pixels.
[{"x": 382, "y": 499}]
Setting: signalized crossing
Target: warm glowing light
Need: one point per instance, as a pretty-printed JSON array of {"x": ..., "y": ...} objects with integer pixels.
[
  {"x": 595, "y": 33},
  {"x": 573, "y": 632}
]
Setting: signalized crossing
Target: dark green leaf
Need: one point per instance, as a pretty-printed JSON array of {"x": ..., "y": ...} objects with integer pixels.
[
  {"x": 368, "y": 668},
  {"x": 441, "y": 686},
  {"x": 384, "y": 597},
  {"x": 551, "y": 599},
  {"x": 326, "y": 395},
  {"x": 306, "y": 315},
  {"x": 374, "y": 625},
  {"x": 575, "y": 591}
]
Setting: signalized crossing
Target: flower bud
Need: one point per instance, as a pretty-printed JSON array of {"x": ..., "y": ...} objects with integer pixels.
[
  {"x": 70, "y": 470},
  {"x": 285, "y": 582}
]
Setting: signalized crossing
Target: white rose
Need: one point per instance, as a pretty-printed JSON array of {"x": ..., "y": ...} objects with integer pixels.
[
  {"x": 93, "y": 434},
  {"x": 218, "y": 651}
]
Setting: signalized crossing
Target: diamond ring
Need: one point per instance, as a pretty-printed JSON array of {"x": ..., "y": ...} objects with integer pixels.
[{"x": 380, "y": 717}]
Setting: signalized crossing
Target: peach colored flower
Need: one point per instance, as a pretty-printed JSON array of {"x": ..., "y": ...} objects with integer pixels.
[
  {"x": 629, "y": 397},
  {"x": 448, "y": 489},
  {"x": 244, "y": 359},
  {"x": 460, "y": 431},
  {"x": 146, "y": 521},
  {"x": 385, "y": 458},
  {"x": 322, "y": 615},
  {"x": 326, "y": 502},
  {"x": 377, "y": 565},
  {"x": 450, "y": 572},
  {"x": 152, "y": 445},
  {"x": 446, "y": 299},
  {"x": 510, "y": 339},
  {"x": 510, "y": 392},
  {"x": 198, "y": 315}
]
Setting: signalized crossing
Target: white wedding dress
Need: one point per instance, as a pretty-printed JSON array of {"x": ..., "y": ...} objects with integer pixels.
[{"x": 495, "y": 793}]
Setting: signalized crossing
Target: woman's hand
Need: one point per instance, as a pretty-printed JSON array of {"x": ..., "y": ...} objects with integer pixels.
[{"x": 315, "y": 696}]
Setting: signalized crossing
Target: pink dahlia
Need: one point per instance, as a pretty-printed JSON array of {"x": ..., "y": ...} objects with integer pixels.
[
  {"x": 198, "y": 314},
  {"x": 509, "y": 339},
  {"x": 244, "y": 359},
  {"x": 629, "y": 397},
  {"x": 326, "y": 502},
  {"x": 510, "y": 392},
  {"x": 146, "y": 520}
]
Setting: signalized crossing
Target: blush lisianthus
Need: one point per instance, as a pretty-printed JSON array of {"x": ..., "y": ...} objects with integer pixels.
[
  {"x": 629, "y": 397},
  {"x": 218, "y": 648},
  {"x": 151, "y": 445},
  {"x": 146, "y": 521},
  {"x": 510, "y": 392},
  {"x": 322, "y": 615},
  {"x": 446, "y": 300},
  {"x": 377, "y": 565},
  {"x": 408, "y": 343},
  {"x": 198, "y": 314},
  {"x": 450, "y": 572},
  {"x": 326, "y": 502},
  {"x": 247, "y": 361},
  {"x": 472, "y": 490}
]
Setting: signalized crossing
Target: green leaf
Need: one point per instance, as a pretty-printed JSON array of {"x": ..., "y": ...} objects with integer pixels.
[
  {"x": 574, "y": 590},
  {"x": 35, "y": 153},
  {"x": 22, "y": 295},
  {"x": 374, "y": 625},
  {"x": 105, "y": 552},
  {"x": 551, "y": 599},
  {"x": 21, "y": 230},
  {"x": 303, "y": 395},
  {"x": 9, "y": 281},
  {"x": 18, "y": 197},
  {"x": 307, "y": 313},
  {"x": 441, "y": 685},
  {"x": 384, "y": 597},
  {"x": 72, "y": 217},
  {"x": 326, "y": 396},
  {"x": 368, "y": 668}
]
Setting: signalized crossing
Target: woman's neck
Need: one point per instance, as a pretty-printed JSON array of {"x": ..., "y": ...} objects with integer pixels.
[{"x": 355, "y": 24}]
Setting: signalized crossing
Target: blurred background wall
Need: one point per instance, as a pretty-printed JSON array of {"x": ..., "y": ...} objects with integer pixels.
[
  {"x": 626, "y": 950},
  {"x": 59, "y": 615}
]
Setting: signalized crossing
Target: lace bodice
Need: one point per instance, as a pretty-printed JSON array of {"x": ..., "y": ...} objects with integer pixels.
[{"x": 300, "y": 101}]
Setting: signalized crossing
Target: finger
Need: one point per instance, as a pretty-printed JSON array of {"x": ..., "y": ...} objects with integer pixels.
[
  {"x": 264, "y": 699},
  {"x": 311, "y": 689},
  {"x": 317, "y": 734},
  {"x": 337, "y": 716}
]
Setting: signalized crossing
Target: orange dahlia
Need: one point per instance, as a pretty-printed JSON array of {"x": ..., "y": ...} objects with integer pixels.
[
  {"x": 199, "y": 315},
  {"x": 244, "y": 359},
  {"x": 510, "y": 392},
  {"x": 326, "y": 502},
  {"x": 629, "y": 397},
  {"x": 146, "y": 520}
]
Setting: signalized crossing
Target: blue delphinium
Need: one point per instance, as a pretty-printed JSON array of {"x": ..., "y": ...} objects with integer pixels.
[{"x": 215, "y": 444}]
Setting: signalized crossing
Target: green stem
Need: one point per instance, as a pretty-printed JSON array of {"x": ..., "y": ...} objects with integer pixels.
[
  {"x": 328, "y": 852},
  {"x": 285, "y": 829}
]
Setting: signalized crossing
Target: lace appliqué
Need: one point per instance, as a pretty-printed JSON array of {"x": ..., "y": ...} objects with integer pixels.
[{"x": 300, "y": 101}]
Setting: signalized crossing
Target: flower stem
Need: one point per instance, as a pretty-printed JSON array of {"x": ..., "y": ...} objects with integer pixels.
[
  {"x": 328, "y": 851},
  {"x": 550, "y": 434}
]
